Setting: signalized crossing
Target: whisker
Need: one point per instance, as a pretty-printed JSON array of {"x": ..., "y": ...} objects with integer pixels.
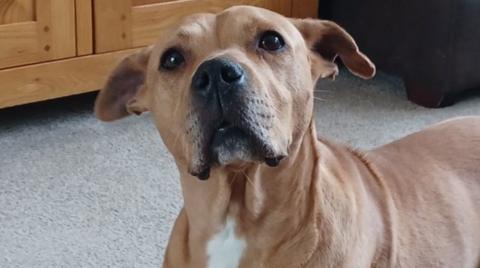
[
  {"x": 233, "y": 179},
  {"x": 187, "y": 149},
  {"x": 250, "y": 182},
  {"x": 319, "y": 99},
  {"x": 276, "y": 109},
  {"x": 177, "y": 137},
  {"x": 174, "y": 112}
]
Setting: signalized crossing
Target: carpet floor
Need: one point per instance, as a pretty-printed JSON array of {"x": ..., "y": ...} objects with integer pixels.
[{"x": 76, "y": 192}]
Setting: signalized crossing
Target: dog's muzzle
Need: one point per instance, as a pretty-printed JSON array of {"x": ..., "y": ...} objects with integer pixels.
[{"x": 234, "y": 122}]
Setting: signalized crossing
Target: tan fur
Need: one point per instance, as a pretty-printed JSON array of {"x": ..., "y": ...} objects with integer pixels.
[{"x": 411, "y": 203}]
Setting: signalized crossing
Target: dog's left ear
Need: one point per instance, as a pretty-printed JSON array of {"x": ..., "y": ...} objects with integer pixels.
[{"x": 327, "y": 40}]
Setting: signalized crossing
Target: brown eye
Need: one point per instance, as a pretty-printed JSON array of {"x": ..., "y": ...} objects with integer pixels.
[
  {"x": 171, "y": 59},
  {"x": 271, "y": 41}
]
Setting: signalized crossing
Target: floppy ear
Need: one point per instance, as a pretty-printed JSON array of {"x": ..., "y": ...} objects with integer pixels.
[
  {"x": 328, "y": 40},
  {"x": 125, "y": 92}
]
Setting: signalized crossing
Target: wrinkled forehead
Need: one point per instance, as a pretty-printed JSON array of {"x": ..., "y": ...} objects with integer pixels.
[{"x": 235, "y": 24}]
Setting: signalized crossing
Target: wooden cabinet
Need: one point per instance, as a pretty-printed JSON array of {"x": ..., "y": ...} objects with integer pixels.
[
  {"x": 31, "y": 31},
  {"x": 56, "y": 48}
]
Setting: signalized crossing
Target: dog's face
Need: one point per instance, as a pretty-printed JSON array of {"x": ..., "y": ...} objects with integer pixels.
[{"x": 232, "y": 89}]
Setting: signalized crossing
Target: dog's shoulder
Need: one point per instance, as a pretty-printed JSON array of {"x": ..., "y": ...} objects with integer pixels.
[
  {"x": 447, "y": 149},
  {"x": 465, "y": 125},
  {"x": 461, "y": 133}
]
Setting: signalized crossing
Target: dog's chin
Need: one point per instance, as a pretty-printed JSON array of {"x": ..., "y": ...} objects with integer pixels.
[
  {"x": 235, "y": 149},
  {"x": 232, "y": 146}
]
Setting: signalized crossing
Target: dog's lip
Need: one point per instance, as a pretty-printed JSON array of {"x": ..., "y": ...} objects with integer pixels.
[
  {"x": 225, "y": 128},
  {"x": 262, "y": 149}
]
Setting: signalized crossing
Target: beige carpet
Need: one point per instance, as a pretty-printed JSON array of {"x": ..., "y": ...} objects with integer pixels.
[{"x": 75, "y": 192}]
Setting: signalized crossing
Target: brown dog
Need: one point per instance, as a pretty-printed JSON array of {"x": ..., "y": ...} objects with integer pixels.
[{"x": 232, "y": 97}]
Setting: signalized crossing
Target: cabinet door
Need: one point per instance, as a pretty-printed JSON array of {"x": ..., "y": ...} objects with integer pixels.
[
  {"x": 33, "y": 31},
  {"x": 122, "y": 24}
]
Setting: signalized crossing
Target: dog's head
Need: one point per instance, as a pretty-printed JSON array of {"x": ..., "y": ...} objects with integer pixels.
[{"x": 232, "y": 89}]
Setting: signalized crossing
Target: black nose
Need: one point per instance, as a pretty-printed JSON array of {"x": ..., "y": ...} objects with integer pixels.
[{"x": 218, "y": 74}]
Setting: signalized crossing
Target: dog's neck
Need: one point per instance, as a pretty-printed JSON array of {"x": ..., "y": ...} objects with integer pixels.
[
  {"x": 248, "y": 192},
  {"x": 275, "y": 209}
]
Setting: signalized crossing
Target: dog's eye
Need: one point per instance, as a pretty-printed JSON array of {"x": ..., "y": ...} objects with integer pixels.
[
  {"x": 271, "y": 41},
  {"x": 171, "y": 59}
]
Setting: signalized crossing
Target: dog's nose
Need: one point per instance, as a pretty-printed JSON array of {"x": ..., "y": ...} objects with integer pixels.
[{"x": 218, "y": 74}]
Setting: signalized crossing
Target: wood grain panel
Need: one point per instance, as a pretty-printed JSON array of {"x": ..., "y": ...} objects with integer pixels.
[
  {"x": 305, "y": 8},
  {"x": 56, "y": 25},
  {"x": 133, "y": 23},
  {"x": 12, "y": 11},
  {"x": 283, "y": 7},
  {"x": 19, "y": 44},
  {"x": 51, "y": 36},
  {"x": 84, "y": 27},
  {"x": 56, "y": 79},
  {"x": 148, "y": 22},
  {"x": 113, "y": 25}
]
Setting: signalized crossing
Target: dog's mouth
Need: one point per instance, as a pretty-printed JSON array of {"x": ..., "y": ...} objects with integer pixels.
[
  {"x": 235, "y": 146},
  {"x": 230, "y": 144}
]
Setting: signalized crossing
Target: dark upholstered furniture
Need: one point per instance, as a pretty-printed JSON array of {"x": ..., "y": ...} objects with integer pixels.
[{"x": 434, "y": 45}]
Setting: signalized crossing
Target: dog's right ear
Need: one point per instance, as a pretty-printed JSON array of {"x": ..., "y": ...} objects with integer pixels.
[{"x": 125, "y": 92}]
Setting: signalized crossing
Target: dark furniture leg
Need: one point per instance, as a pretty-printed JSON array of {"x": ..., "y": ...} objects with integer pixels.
[{"x": 428, "y": 96}]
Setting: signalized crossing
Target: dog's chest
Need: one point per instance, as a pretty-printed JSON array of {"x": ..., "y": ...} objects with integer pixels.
[{"x": 225, "y": 249}]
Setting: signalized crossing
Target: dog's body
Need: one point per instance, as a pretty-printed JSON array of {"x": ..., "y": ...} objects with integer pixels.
[
  {"x": 433, "y": 178},
  {"x": 412, "y": 203},
  {"x": 232, "y": 98}
]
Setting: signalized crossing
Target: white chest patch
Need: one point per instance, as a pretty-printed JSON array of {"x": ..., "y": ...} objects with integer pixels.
[{"x": 225, "y": 249}]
